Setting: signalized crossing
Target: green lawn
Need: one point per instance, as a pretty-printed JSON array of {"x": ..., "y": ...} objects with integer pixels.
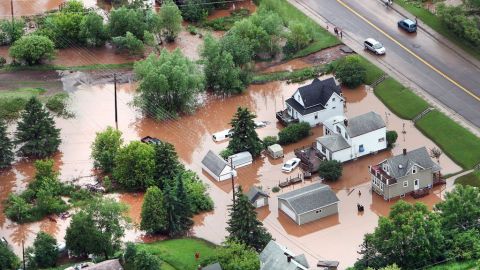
[
  {"x": 321, "y": 38},
  {"x": 12, "y": 102},
  {"x": 457, "y": 142},
  {"x": 435, "y": 23},
  {"x": 296, "y": 75},
  {"x": 467, "y": 265},
  {"x": 373, "y": 72},
  {"x": 10, "y": 68},
  {"x": 179, "y": 254},
  {"x": 399, "y": 99},
  {"x": 471, "y": 179}
]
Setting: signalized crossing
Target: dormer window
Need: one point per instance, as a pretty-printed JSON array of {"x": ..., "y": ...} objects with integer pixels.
[
  {"x": 414, "y": 170},
  {"x": 339, "y": 130},
  {"x": 346, "y": 136}
]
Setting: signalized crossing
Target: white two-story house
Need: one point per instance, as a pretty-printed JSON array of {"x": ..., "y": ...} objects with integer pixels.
[
  {"x": 346, "y": 139},
  {"x": 313, "y": 103}
]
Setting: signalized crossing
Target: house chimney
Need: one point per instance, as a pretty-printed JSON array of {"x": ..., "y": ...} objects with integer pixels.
[
  {"x": 345, "y": 122},
  {"x": 289, "y": 257},
  {"x": 404, "y": 151}
]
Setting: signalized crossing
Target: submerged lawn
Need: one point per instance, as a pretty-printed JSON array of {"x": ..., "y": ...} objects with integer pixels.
[{"x": 180, "y": 253}]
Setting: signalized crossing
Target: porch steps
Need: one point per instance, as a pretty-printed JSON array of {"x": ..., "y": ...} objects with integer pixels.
[
  {"x": 379, "y": 80},
  {"x": 422, "y": 114}
]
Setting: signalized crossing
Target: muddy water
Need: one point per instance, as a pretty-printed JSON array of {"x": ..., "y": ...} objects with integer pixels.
[
  {"x": 191, "y": 135},
  {"x": 28, "y": 8},
  {"x": 218, "y": 13},
  {"x": 78, "y": 56}
]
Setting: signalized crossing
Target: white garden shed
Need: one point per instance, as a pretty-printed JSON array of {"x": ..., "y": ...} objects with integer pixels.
[
  {"x": 240, "y": 159},
  {"x": 275, "y": 151}
]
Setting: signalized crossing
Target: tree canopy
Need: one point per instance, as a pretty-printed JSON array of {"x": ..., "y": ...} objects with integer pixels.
[
  {"x": 170, "y": 20},
  {"x": 154, "y": 216},
  {"x": 6, "y": 147},
  {"x": 45, "y": 250},
  {"x": 92, "y": 30},
  {"x": 167, "y": 165},
  {"x": 169, "y": 84},
  {"x": 36, "y": 132},
  {"x": 135, "y": 166},
  {"x": 350, "y": 71},
  {"x": 105, "y": 148},
  {"x": 8, "y": 259},
  {"x": 244, "y": 137},
  {"x": 330, "y": 170},
  {"x": 32, "y": 49},
  {"x": 234, "y": 255}
]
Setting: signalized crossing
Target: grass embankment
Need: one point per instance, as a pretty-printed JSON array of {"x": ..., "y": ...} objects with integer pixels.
[
  {"x": 296, "y": 75},
  {"x": 436, "y": 24},
  {"x": 225, "y": 23},
  {"x": 12, "y": 102},
  {"x": 467, "y": 265},
  {"x": 458, "y": 143},
  {"x": 321, "y": 38},
  {"x": 470, "y": 179},
  {"x": 179, "y": 254},
  {"x": 10, "y": 68}
]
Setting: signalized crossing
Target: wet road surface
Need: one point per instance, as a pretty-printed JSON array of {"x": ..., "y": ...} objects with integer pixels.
[
  {"x": 466, "y": 72},
  {"x": 92, "y": 103}
]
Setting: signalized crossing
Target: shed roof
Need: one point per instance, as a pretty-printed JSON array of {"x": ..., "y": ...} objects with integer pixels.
[
  {"x": 254, "y": 193},
  {"x": 275, "y": 148},
  {"x": 274, "y": 257},
  {"x": 401, "y": 165},
  {"x": 241, "y": 156},
  {"x": 309, "y": 198},
  {"x": 214, "y": 163},
  {"x": 364, "y": 123},
  {"x": 314, "y": 95},
  {"x": 333, "y": 142}
]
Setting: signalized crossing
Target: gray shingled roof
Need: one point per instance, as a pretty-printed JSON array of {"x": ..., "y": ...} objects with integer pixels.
[
  {"x": 214, "y": 163},
  {"x": 364, "y": 123},
  {"x": 215, "y": 266},
  {"x": 418, "y": 156},
  {"x": 314, "y": 95},
  {"x": 273, "y": 258},
  {"x": 334, "y": 142},
  {"x": 254, "y": 193},
  {"x": 309, "y": 198}
]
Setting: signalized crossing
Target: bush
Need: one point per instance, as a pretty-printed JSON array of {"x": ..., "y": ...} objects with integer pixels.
[
  {"x": 456, "y": 19},
  {"x": 58, "y": 104},
  {"x": 225, "y": 153},
  {"x": 129, "y": 43},
  {"x": 192, "y": 30},
  {"x": 351, "y": 72},
  {"x": 32, "y": 49},
  {"x": 294, "y": 133},
  {"x": 391, "y": 138},
  {"x": 275, "y": 189},
  {"x": 3, "y": 61},
  {"x": 298, "y": 38},
  {"x": 269, "y": 140},
  {"x": 330, "y": 170}
]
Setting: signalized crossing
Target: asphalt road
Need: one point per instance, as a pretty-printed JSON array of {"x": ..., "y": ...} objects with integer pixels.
[{"x": 444, "y": 74}]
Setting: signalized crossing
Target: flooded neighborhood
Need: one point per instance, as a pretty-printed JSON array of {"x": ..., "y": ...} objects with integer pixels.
[{"x": 96, "y": 100}]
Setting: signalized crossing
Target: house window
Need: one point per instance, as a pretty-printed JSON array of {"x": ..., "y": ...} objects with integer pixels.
[
  {"x": 333, "y": 99},
  {"x": 339, "y": 130},
  {"x": 414, "y": 170},
  {"x": 381, "y": 139},
  {"x": 346, "y": 136},
  {"x": 318, "y": 211},
  {"x": 327, "y": 131},
  {"x": 405, "y": 183},
  {"x": 316, "y": 115},
  {"x": 416, "y": 182},
  {"x": 324, "y": 149},
  {"x": 361, "y": 148}
]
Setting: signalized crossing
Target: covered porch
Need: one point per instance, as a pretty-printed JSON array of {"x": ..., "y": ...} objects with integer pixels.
[
  {"x": 285, "y": 118},
  {"x": 310, "y": 158}
]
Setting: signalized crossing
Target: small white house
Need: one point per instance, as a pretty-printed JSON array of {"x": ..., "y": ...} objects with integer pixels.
[
  {"x": 217, "y": 167},
  {"x": 257, "y": 197},
  {"x": 240, "y": 159},
  {"x": 345, "y": 139},
  {"x": 314, "y": 103}
]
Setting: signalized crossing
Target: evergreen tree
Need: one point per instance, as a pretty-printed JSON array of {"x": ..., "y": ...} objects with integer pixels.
[
  {"x": 36, "y": 131},
  {"x": 167, "y": 165},
  {"x": 153, "y": 211},
  {"x": 244, "y": 137},
  {"x": 45, "y": 250},
  {"x": 177, "y": 208},
  {"x": 6, "y": 153},
  {"x": 243, "y": 226}
]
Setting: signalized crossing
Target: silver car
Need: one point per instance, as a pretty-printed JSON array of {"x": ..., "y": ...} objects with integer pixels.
[{"x": 374, "y": 46}]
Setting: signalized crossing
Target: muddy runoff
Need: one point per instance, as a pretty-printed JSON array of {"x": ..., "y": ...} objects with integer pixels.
[{"x": 335, "y": 238}]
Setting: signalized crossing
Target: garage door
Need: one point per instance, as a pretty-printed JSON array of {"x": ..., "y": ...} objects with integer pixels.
[
  {"x": 287, "y": 211},
  {"x": 260, "y": 202}
]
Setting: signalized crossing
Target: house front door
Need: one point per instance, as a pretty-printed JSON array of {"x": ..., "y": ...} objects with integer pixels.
[{"x": 416, "y": 184}]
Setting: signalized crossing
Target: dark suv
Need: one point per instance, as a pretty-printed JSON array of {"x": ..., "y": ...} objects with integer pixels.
[{"x": 408, "y": 25}]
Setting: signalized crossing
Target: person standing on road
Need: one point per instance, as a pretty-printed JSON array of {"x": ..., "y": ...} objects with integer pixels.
[
  {"x": 335, "y": 30},
  {"x": 341, "y": 33}
]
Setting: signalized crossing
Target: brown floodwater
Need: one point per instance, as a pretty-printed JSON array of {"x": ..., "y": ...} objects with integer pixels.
[
  {"x": 34, "y": 7},
  {"x": 92, "y": 103},
  {"x": 219, "y": 13}
]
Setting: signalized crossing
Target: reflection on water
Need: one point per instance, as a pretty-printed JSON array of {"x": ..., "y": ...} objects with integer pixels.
[{"x": 191, "y": 135}]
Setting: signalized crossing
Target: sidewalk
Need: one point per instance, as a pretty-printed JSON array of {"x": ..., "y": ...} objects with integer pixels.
[{"x": 357, "y": 46}]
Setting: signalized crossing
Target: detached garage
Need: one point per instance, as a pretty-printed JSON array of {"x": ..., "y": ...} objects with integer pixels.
[
  {"x": 257, "y": 197},
  {"x": 309, "y": 203},
  {"x": 218, "y": 168},
  {"x": 240, "y": 159}
]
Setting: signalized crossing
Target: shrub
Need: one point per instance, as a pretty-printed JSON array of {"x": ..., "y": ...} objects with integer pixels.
[
  {"x": 294, "y": 133},
  {"x": 351, "y": 72},
  {"x": 58, "y": 104},
  {"x": 192, "y": 30},
  {"x": 32, "y": 49},
  {"x": 225, "y": 153},
  {"x": 391, "y": 138},
  {"x": 456, "y": 19},
  {"x": 3, "y": 61},
  {"x": 275, "y": 189},
  {"x": 330, "y": 170},
  {"x": 269, "y": 140},
  {"x": 129, "y": 43}
]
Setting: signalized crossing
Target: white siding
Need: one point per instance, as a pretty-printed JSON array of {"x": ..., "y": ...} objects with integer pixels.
[
  {"x": 287, "y": 211},
  {"x": 298, "y": 98},
  {"x": 226, "y": 174},
  {"x": 343, "y": 155},
  {"x": 370, "y": 142},
  {"x": 322, "y": 115}
]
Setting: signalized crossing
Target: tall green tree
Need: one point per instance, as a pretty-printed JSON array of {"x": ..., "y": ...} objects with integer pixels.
[
  {"x": 350, "y": 71},
  {"x": 123, "y": 20},
  {"x": 234, "y": 255},
  {"x": 135, "y": 166},
  {"x": 411, "y": 237},
  {"x": 92, "y": 30},
  {"x": 32, "y": 49},
  {"x": 36, "y": 131},
  {"x": 195, "y": 10},
  {"x": 169, "y": 84},
  {"x": 105, "y": 148},
  {"x": 45, "y": 250},
  {"x": 64, "y": 27},
  {"x": 6, "y": 146},
  {"x": 171, "y": 20},
  {"x": 330, "y": 170},
  {"x": 243, "y": 226},
  {"x": 244, "y": 137},
  {"x": 8, "y": 259},
  {"x": 221, "y": 74},
  {"x": 197, "y": 193},
  {"x": 242, "y": 52},
  {"x": 167, "y": 165},
  {"x": 298, "y": 37},
  {"x": 98, "y": 228},
  {"x": 178, "y": 209},
  {"x": 153, "y": 211}
]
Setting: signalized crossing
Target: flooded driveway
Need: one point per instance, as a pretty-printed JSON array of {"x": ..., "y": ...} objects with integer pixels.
[{"x": 92, "y": 102}]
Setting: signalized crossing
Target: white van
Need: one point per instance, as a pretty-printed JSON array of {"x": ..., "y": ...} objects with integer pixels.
[{"x": 222, "y": 135}]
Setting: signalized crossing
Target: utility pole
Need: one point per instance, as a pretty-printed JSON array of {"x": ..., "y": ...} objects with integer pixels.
[
  {"x": 13, "y": 22},
  {"x": 233, "y": 181},
  {"x": 23, "y": 255},
  {"x": 115, "y": 89}
]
